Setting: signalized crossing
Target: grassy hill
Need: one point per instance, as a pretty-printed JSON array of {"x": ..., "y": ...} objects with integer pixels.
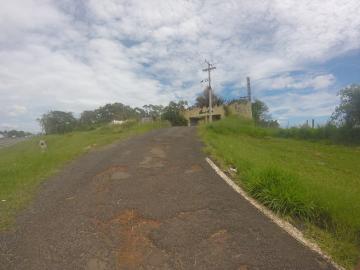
[
  {"x": 315, "y": 185},
  {"x": 24, "y": 166}
]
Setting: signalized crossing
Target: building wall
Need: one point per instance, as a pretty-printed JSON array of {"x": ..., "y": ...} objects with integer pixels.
[
  {"x": 203, "y": 112},
  {"x": 242, "y": 109}
]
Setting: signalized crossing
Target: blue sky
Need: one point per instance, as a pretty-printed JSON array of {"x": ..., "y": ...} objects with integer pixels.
[{"x": 75, "y": 55}]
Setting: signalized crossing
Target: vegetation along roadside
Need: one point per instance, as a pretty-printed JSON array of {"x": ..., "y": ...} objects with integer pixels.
[{"x": 315, "y": 185}]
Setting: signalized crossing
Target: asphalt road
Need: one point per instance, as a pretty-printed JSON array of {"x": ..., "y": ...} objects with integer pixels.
[
  {"x": 5, "y": 142},
  {"x": 151, "y": 202}
]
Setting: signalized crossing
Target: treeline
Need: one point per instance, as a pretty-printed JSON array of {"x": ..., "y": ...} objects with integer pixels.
[
  {"x": 15, "y": 133},
  {"x": 60, "y": 122},
  {"x": 343, "y": 126}
]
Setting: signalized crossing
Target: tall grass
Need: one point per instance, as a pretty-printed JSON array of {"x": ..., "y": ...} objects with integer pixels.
[
  {"x": 312, "y": 183},
  {"x": 339, "y": 135},
  {"x": 23, "y": 166}
]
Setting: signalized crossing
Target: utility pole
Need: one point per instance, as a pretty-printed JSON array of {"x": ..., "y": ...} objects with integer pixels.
[
  {"x": 208, "y": 70},
  {"x": 248, "y": 88}
]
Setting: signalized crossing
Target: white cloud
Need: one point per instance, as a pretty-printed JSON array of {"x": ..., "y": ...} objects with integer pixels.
[
  {"x": 307, "y": 81},
  {"x": 76, "y": 55},
  {"x": 16, "y": 110},
  {"x": 309, "y": 106}
]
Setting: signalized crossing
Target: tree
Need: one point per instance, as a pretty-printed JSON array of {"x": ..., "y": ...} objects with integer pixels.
[
  {"x": 172, "y": 113},
  {"x": 348, "y": 112},
  {"x": 115, "y": 111},
  {"x": 57, "y": 122},
  {"x": 153, "y": 111},
  {"x": 259, "y": 111},
  {"x": 141, "y": 112},
  {"x": 270, "y": 123},
  {"x": 203, "y": 99},
  {"x": 88, "y": 118}
]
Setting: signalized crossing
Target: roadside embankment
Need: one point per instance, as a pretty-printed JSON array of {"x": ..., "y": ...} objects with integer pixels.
[{"x": 314, "y": 185}]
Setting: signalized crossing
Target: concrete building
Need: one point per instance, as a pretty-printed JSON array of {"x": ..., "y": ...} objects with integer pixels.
[{"x": 199, "y": 115}]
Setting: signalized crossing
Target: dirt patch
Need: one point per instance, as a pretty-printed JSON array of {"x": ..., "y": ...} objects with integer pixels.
[
  {"x": 219, "y": 237},
  {"x": 113, "y": 169},
  {"x": 131, "y": 234}
]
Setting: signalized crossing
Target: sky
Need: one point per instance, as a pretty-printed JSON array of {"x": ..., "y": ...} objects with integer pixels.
[{"x": 76, "y": 55}]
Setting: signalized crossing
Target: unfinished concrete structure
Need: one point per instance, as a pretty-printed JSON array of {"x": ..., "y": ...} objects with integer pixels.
[{"x": 199, "y": 115}]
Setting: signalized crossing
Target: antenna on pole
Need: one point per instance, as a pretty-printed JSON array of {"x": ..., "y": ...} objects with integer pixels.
[
  {"x": 208, "y": 70},
  {"x": 248, "y": 88}
]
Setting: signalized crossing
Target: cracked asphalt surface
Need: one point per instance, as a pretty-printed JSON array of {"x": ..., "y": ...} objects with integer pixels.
[{"x": 151, "y": 202}]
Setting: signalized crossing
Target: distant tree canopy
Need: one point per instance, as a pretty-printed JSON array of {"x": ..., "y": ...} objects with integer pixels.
[
  {"x": 203, "y": 99},
  {"x": 261, "y": 116},
  {"x": 259, "y": 110},
  {"x": 153, "y": 111},
  {"x": 348, "y": 112},
  {"x": 115, "y": 111},
  {"x": 57, "y": 122},
  {"x": 61, "y": 122},
  {"x": 172, "y": 113},
  {"x": 88, "y": 118}
]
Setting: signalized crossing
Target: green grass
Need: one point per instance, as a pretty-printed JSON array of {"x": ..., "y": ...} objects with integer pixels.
[
  {"x": 315, "y": 185},
  {"x": 23, "y": 166}
]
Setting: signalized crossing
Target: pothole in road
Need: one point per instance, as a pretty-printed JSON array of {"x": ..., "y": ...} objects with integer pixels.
[
  {"x": 96, "y": 264},
  {"x": 151, "y": 162},
  {"x": 158, "y": 152},
  {"x": 194, "y": 168},
  {"x": 130, "y": 233},
  {"x": 119, "y": 175},
  {"x": 112, "y": 170},
  {"x": 104, "y": 178},
  {"x": 155, "y": 159}
]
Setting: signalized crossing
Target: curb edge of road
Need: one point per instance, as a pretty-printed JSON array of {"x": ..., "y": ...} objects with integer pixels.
[{"x": 286, "y": 226}]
